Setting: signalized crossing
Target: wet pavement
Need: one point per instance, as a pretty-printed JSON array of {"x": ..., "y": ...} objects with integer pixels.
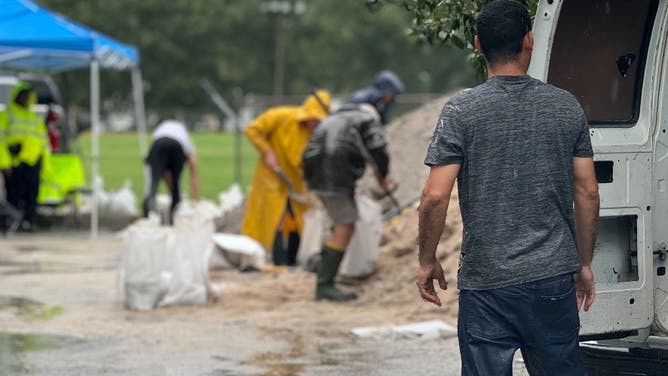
[{"x": 60, "y": 314}]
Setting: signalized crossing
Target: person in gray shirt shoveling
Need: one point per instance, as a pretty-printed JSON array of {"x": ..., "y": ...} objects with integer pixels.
[
  {"x": 521, "y": 154},
  {"x": 333, "y": 160}
]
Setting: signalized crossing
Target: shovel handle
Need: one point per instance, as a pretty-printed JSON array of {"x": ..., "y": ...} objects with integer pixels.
[
  {"x": 284, "y": 179},
  {"x": 393, "y": 199}
]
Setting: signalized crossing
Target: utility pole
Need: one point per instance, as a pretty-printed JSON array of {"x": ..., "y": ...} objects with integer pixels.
[
  {"x": 281, "y": 9},
  {"x": 279, "y": 57}
]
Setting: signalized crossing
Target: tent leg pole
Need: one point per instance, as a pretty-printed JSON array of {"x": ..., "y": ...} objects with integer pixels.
[
  {"x": 95, "y": 143},
  {"x": 140, "y": 112}
]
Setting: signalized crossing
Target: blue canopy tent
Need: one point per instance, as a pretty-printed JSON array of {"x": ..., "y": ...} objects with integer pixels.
[{"x": 33, "y": 38}]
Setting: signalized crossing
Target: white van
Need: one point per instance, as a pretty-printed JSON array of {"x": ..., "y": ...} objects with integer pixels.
[{"x": 611, "y": 54}]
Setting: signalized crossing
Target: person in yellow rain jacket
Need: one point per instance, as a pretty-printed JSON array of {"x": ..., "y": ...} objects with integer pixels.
[
  {"x": 25, "y": 145},
  {"x": 280, "y": 135}
]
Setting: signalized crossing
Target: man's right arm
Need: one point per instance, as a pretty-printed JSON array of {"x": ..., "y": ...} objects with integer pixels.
[
  {"x": 432, "y": 213},
  {"x": 194, "y": 177},
  {"x": 586, "y": 205},
  {"x": 374, "y": 141}
]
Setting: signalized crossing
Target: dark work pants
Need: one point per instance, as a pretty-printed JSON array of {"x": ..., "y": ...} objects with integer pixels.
[
  {"x": 166, "y": 155},
  {"x": 286, "y": 253},
  {"x": 540, "y": 318},
  {"x": 22, "y": 187}
]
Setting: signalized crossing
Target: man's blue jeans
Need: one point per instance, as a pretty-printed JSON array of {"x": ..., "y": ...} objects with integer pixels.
[{"x": 540, "y": 318}]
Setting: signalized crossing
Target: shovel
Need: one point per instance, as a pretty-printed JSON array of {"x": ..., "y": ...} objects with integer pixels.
[
  {"x": 399, "y": 208},
  {"x": 301, "y": 198}
]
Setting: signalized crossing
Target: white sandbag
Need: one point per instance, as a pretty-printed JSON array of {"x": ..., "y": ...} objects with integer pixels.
[
  {"x": 165, "y": 265},
  {"x": 121, "y": 203},
  {"x": 240, "y": 250},
  {"x": 362, "y": 252},
  {"x": 190, "y": 257},
  {"x": 218, "y": 260},
  {"x": 421, "y": 330},
  {"x": 231, "y": 198},
  {"x": 163, "y": 205},
  {"x": 189, "y": 270},
  {"x": 203, "y": 209},
  {"x": 142, "y": 275},
  {"x": 102, "y": 196},
  {"x": 310, "y": 243}
]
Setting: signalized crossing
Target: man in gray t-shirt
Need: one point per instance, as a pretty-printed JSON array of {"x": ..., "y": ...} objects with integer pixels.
[
  {"x": 521, "y": 153},
  {"x": 515, "y": 178}
]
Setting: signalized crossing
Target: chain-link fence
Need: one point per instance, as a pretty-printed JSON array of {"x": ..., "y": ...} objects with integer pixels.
[{"x": 121, "y": 118}]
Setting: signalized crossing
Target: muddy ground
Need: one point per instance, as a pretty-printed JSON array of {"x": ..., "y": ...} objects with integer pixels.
[{"x": 60, "y": 314}]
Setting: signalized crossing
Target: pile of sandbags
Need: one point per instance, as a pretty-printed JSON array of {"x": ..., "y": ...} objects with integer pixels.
[
  {"x": 169, "y": 265},
  {"x": 228, "y": 201},
  {"x": 120, "y": 203}
]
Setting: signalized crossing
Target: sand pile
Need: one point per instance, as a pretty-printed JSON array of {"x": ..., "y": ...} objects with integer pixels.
[{"x": 408, "y": 137}]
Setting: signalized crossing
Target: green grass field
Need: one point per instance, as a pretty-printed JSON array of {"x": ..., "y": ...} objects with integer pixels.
[{"x": 120, "y": 161}]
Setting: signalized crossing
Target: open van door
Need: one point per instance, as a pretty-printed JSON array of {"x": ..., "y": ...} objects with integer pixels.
[{"x": 609, "y": 54}]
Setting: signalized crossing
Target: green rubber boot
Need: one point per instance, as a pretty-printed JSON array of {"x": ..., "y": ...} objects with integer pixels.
[{"x": 329, "y": 266}]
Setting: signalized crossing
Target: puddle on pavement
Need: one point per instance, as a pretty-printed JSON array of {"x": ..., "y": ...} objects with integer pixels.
[
  {"x": 276, "y": 364},
  {"x": 34, "y": 248},
  {"x": 334, "y": 355},
  {"x": 9, "y": 262},
  {"x": 39, "y": 268},
  {"x": 30, "y": 309},
  {"x": 11, "y": 267},
  {"x": 26, "y": 248},
  {"x": 281, "y": 363},
  {"x": 14, "y": 345}
]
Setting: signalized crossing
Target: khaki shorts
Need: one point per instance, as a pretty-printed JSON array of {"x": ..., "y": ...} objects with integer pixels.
[{"x": 342, "y": 209}]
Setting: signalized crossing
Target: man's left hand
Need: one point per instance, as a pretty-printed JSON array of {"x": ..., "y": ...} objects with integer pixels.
[{"x": 425, "y": 281}]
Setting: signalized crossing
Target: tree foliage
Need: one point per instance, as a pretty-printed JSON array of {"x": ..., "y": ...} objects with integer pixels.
[
  {"x": 448, "y": 22},
  {"x": 337, "y": 45}
]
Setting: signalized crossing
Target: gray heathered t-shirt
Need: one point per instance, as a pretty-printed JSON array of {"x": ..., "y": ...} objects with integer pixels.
[{"x": 515, "y": 138}]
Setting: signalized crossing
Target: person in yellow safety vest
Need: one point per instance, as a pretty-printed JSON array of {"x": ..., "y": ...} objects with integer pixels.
[
  {"x": 5, "y": 160},
  {"x": 26, "y": 144},
  {"x": 280, "y": 135},
  {"x": 5, "y": 169}
]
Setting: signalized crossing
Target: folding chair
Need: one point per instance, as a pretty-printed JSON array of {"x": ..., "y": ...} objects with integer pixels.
[{"x": 65, "y": 185}]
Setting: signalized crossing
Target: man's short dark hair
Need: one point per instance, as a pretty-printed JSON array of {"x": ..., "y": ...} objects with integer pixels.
[{"x": 501, "y": 27}]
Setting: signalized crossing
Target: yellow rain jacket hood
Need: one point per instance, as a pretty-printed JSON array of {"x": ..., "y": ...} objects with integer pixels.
[
  {"x": 279, "y": 129},
  {"x": 21, "y": 126}
]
